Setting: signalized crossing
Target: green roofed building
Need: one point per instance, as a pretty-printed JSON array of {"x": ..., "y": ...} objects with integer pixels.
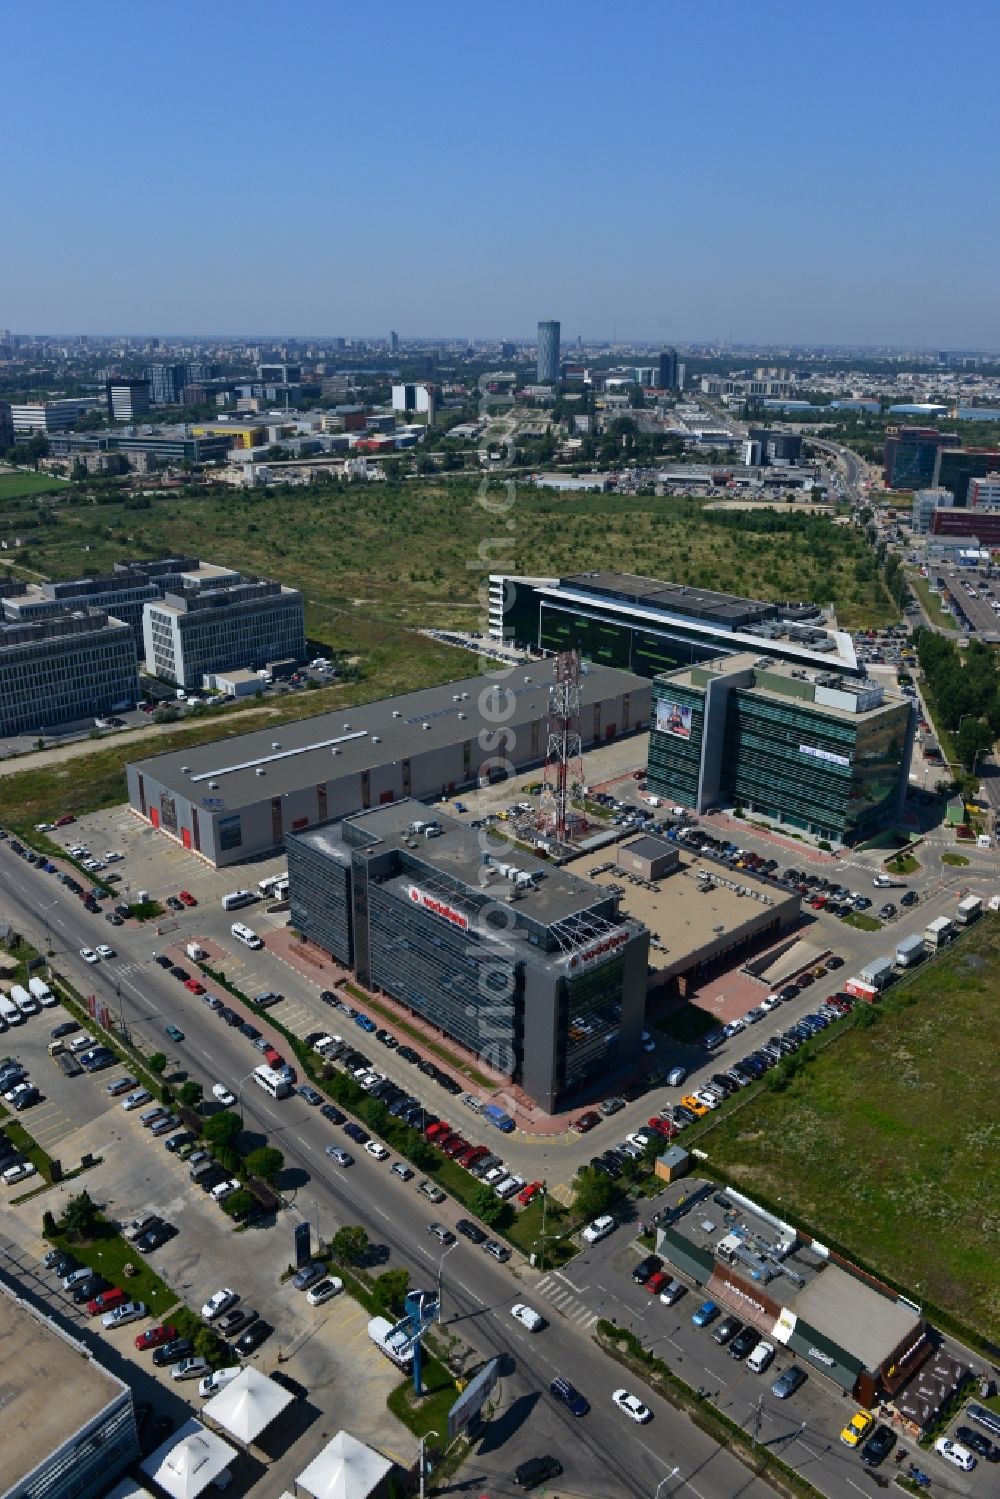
[{"x": 819, "y": 751}]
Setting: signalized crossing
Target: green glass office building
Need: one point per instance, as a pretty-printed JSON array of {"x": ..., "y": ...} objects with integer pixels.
[{"x": 817, "y": 751}]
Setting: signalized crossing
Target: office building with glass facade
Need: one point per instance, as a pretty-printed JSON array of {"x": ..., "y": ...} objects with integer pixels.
[
  {"x": 911, "y": 455},
  {"x": 818, "y": 751},
  {"x": 648, "y": 626},
  {"x": 250, "y": 623},
  {"x": 55, "y": 671},
  {"x": 531, "y": 969}
]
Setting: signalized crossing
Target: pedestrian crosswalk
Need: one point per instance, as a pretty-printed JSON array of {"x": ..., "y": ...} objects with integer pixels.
[{"x": 559, "y": 1295}]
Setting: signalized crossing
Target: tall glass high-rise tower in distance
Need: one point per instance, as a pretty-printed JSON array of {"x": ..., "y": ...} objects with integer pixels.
[{"x": 548, "y": 352}]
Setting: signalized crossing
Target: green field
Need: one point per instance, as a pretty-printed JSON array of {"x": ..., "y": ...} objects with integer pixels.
[
  {"x": 886, "y": 1143},
  {"x": 416, "y": 553},
  {"x": 17, "y": 485}
]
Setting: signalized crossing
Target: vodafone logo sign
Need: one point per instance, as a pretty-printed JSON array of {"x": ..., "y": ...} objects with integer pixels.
[
  {"x": 438, "y": 907},
  {"x": 598, "y": 950}
]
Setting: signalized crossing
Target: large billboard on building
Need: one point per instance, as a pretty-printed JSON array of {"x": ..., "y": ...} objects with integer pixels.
[
  {"x": 675, "y": 719},
  {"x": 439, "y": 907}
]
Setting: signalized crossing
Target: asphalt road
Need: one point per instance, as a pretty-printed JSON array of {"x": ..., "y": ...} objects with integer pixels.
[{"x": 603, "y": 1454}]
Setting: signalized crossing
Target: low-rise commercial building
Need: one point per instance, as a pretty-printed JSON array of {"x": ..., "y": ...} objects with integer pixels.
[
  {"x": 701, "y": 917},
  {"x": 528, "y": 967},
  {"x": 837, "y": 1320},
  {"x": 69, "y": 667},
  {"x": 819, "y": 751},
  {"x": 237, "y": 799},
  {"x": 196, "y": 631},
  {"x": 68, "y": 1424}
]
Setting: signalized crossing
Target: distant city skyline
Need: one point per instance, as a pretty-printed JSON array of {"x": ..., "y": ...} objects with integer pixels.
[{"x": 767, "y": 175}]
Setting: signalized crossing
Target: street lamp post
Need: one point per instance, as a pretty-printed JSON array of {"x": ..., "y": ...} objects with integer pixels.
[
  {"x": 423, "y": 1465},
  {"x": 441, "y": 1276},
  {"x": 672, "y": 1474},
  {"x": 239, "y": 1095}
]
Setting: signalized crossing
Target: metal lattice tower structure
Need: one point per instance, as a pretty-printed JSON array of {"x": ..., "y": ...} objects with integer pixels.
[{"x": 563, "y": 747}]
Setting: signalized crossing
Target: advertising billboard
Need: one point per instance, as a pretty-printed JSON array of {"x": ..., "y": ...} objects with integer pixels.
[
  {"x": 465, "y": 1412},
  {"x": 439, "y": 907},
  {"x": 675, "y": 719}
]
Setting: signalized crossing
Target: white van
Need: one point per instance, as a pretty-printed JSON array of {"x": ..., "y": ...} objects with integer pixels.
[
  {"x": 40, "y": 989},
  {"x": 760, "y": 1357},
  {"x": 246, "y": 935},
  {"x": 26, "y": 1003}
]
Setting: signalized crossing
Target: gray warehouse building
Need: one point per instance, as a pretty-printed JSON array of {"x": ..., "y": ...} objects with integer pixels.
[
  {"x": 237, "y": 798},
  {"x": 529, "y": 967}
]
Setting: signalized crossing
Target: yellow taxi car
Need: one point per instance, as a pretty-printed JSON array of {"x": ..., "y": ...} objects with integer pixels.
[
  {"x": 857, "y": 1428},
  {"x": 695, "y": 1105}
]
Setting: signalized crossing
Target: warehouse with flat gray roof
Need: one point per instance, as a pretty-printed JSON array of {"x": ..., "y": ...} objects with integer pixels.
[{"x": 237, "y": 798}]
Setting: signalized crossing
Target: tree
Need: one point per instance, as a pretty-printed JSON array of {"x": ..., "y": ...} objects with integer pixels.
[
  {"x": 593, "y": 1194},
  {"x": 80, "y": 1217},
  {"x": 266, "y": 1162},
  {"x": 239, "y": 1205},
  {"x": 974, "y": 737},
  {"x": 350, "y": 1244},
  {"x": 484, "y": 1203},
  {"x": 421, "y": 1154},
  {"x": 157, "y": 1063},
  {"x": 191, "y": 1094},
  {"x": 391, "y": 1288},
  {"x": 222, "y": 1129},
  {"x": 207, "y": 1343}
]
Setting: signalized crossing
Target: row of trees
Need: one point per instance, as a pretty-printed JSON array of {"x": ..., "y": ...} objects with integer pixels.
[{"x": 965, "y": 690}]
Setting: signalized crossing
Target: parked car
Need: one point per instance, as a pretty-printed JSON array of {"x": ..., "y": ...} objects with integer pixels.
[{"x": 787, "y": 1383}]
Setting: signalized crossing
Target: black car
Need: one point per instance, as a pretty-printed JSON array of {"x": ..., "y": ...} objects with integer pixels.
[
  {"x": 124, "y": 911},
  {"x": 27, "y": 1099},
  {"x": 163, "y": 960},
  {"x": 471, "y": 1231},
  {"x": 407, "y": 1054},
  {"x": 331, "y": 1112},
  {"x": 113, "y": 918},
  {"x": 329, "y": 998},
  {"x": 255, "y": 1334},
  {"x": 172, "y": 1353},
  {"x": 878, "y": 1446},
  {"x": 744, "y": 1342},
  {"x": 909, "y": 899},
  {"x": 154, "y": 1237},
  {"x": 226, "y": 1014},
  {"x": 179, "y": 973},
  {"x": 250, "y": 1031},
  {"x": 727, "y": 1330},
  {"x": 92, "y": 1286},
  {"x": 174, "y": 903},
  {"x": 173, "y": 1143},
  {"x": 62, "y": 1265},
  {"x": 236, "y": 1321},
  {"x": 978, "y": 1443},
  {"x": 645, "y": 1268},
  {"x": 536, "y": 1470}
]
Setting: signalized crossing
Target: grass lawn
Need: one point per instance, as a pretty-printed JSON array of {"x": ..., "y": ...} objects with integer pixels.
[
  {"x": 885, "y": 1143},
  {"x": 429, "y": 1412},
  {"x": 526, "y": 1229},
  {"x": 958, "y": 861},
  {"x": 14, "y": 486},
  {"x": 903, "y": 864},
  {"x": 863, "y": 922},
  {"x": 108, "y": 1253},
  {"x": 25, "y": 1143}
]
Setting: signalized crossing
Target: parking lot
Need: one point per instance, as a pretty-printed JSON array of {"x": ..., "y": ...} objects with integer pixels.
[{"x": 973, "y": 595}]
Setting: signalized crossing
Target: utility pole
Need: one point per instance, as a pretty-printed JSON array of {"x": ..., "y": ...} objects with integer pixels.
[{"x": 423, "y": 1465}]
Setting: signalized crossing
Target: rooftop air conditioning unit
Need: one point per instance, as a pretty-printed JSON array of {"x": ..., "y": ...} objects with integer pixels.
[
  {"x": 213, "y": 785},
  {"x": 425, "y": 725},
  {"x": 275, "y": 745},
  {"x": 335, "y": 750},
  {"x": 376, "y": 739},
  {"x": 259, "y": 771},
  {"x": 396, "y": 713},
  {"x": 463, "y": 715}
]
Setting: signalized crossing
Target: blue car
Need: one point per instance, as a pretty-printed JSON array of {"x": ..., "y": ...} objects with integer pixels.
[
  {"x": 563, "y": 1391},
  {"x": 706, "y": 1313}
]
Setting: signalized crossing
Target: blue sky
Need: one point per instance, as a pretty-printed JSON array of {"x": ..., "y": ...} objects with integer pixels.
[{"x": 776, "y": 171}]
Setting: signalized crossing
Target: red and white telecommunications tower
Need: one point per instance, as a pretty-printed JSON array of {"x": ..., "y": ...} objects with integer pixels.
[{"x": 564, "y": 749}]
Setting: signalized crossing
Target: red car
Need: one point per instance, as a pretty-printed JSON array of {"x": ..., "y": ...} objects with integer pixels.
[
  {"x": 195, "y": 985},
  {"x": 106, "y": 1302},
  {"x": 663, "y": 1127},
  {"x": 469, "y": 1157},
  {"x": 155, "y": 1337},
  {"x": 439, "y": 1130},
  {"x": 656, "y": 1282},
  {"x": 273, "y": 1058},
  {"x": 529, "y": 1193},
  {"x": 186, "y": 897},
  {"x": 586, "y": 1121},
  {"x": 65, "y": 820}
]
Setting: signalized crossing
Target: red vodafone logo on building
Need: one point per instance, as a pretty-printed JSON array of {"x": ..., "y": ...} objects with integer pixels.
[
  {"x": 599, "y": 950},
  {"x": 439, "y": 907}
]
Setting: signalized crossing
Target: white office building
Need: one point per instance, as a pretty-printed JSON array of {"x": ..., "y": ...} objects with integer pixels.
[
  {"x": 31, "y": 417},
  {"x": 194, "y": 633}
]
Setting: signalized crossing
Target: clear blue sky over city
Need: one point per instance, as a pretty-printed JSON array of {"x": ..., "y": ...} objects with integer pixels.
[{"x": 774, "y": 171}]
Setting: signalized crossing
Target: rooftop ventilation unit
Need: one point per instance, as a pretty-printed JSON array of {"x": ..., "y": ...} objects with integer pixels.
[
  {"x": 185, "y": 770},
  {"x": 275, "y": 744},
  {"x": 376, "y": 739},
  {"x": 396, "y": 713},
  {"x": 213, "y": 785},
  {"x": 463, "y": 715},
  {"x": 425, "y": 725},
  {"x": 259, "y": 771}
]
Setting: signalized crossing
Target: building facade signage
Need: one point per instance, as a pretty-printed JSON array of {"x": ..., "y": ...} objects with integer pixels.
[
  {"x": 822, "y": 754},
  {"x": 821, "y": 1358},
  {"x": 439, "y": 907},
  {"x": 579, "y": 961}
]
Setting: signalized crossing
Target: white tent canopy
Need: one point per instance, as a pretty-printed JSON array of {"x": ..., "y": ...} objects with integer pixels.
[
  {"x": 345, "y": 1469},
  {"x": 247, "y": 1405},
  {"x": 187, "y": 1463}
]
